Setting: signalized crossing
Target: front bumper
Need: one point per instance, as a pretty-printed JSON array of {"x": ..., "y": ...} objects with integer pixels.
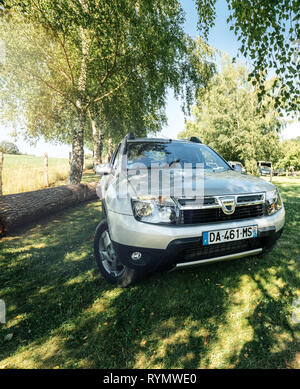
[
  {"x": 163, "y": 247},
  {"x": 190, "y": 251},
  {"x": 126, "y": 230}
]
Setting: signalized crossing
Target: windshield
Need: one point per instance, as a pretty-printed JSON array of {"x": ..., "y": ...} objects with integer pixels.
[{"x": 170, "y": 154}]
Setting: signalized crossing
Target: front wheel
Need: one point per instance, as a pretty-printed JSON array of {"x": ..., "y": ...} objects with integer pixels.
[{"x": 110, "y": 266}]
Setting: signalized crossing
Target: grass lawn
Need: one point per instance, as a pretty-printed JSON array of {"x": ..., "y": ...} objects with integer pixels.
[
  {"x": 23, "y": 173},
  {"x": 62, "y": 314}
]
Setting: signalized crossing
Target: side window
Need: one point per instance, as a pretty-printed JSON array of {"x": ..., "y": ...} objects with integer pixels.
[{"x": 115, "y": 158}]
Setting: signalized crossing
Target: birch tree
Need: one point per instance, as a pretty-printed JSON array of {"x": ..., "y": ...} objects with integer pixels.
[{"x": 82, "y": 52}]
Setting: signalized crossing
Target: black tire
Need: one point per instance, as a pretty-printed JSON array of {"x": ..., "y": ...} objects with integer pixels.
[{"x": 121, "y": 275}]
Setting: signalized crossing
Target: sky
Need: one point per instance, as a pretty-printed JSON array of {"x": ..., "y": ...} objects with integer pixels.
[{"x": 220, "y": 37}]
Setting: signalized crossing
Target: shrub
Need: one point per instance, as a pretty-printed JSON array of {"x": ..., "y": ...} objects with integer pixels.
[{"x": 251, "y": 167}]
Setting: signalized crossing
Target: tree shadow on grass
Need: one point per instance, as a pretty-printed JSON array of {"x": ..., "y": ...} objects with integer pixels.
[
  {"x": 187, "y": 319},
  {"x": 160, "y": 324},
  {"x": 275, "y": 340},
  {"x": 90, "y": 176},
  {"x": 47, "y": 275},
  {"x": 62, "y": 313}
]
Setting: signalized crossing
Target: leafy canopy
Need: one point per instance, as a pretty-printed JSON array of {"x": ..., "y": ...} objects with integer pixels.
[
  {"x": 133, "y": 46},
  {"x": 227, "y": 118},
  {"x": 269, "y": 32},
  {"x": 290, "y": 154}
]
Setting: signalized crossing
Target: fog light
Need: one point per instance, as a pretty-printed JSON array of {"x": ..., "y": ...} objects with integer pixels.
[{"x": 136, "y": 255}]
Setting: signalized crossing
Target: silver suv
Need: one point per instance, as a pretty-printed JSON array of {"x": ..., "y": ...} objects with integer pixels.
[{"x": 171, "y": 204}]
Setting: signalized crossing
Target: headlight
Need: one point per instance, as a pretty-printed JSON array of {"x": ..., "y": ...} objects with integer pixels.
[
  {"x": 155, "y": 210},
  {"x": 273, "y": 202}
]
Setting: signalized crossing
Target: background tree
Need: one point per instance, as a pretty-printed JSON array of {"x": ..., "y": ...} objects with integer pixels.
[
  {"x": 128, "y": 111},
  {"x": 136, "y": 105},
  {"x": 227, "y": 118},
  {"x": 132, "y": 110},
  {"x": 8, "y": 148},
  {"x": 290, "y": 154},
  {"x": 85, "y": 51}
]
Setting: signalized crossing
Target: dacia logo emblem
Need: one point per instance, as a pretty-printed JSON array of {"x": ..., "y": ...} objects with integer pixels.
[{"x": 228, "y": 204}]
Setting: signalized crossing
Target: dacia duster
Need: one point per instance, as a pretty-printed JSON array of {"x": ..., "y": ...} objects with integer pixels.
[{"x": 171, "y": 204}]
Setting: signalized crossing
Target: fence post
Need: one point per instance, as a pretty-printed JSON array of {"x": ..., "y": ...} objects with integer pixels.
[
  {"x": 46, "y": 169},
  {"x": 1, "y": 167}
]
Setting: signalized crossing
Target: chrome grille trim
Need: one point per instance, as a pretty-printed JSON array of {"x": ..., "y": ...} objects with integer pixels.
[{"x": 213, "y": 201}]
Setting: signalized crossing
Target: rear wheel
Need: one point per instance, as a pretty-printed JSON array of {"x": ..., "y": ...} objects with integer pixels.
[{"x": 108, "y": 261}]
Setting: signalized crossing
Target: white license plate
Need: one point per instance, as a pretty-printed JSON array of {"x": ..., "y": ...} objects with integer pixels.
[{"x": 229, "y": 235}]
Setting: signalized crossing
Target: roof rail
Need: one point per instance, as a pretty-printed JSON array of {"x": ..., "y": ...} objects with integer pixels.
[{"x": 195, "y": 139}]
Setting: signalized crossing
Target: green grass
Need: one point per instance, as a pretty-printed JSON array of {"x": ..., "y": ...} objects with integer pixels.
[
  {"x": 63, "y": 314},
  {"x": 23, "y": 173}
]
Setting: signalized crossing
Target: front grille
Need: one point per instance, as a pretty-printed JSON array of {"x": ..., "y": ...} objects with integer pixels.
[
  {"x": 196, "y": 252},
  {"x": 197, "y": 201},
  {"x": 212, "y": 215},
  {"x": 250, "y": 198}
]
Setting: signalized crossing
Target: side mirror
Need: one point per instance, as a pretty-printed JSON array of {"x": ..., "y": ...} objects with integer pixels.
[
  {"x": 102, "y": 169},
  {"x": 238, "y": 168}
]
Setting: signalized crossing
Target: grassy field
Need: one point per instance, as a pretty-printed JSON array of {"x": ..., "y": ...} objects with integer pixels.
[
  {"x": 62, "y": 314},
  {"x": 23, "y": 173}
]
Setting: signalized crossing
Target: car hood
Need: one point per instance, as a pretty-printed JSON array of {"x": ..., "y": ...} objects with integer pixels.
[{"x": 213, "y": 183}]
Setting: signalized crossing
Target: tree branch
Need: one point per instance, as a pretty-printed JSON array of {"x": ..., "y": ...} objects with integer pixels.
[
  {"x": 67, "y": 58},
  {"x": 111, "y": 91},
  {"x": 51, "y": 87},
  {"x": 56, "y": 35}
]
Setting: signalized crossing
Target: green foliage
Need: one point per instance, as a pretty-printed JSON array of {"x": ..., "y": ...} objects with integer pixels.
[
  {"x": 269, "y": 33},
  {"x": 8, "y": 148},
  {"x": 113, "y": 59},
  {"x": 227, "y": 117},
  {"x": 251, "y": 167},
  {"x": 290, "y": 155},
  {"x": 126, "y": 41}
]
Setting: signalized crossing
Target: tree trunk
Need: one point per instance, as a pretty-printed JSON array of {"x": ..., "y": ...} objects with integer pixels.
[
  {"x": 96, "y": 140},
  {"x": 77, "y": 151},
  {"x": 19, "y": 209},
  {"x": 78, "y": 132},
  {"x": 101, "y": 139},
  {"x": 110, "y": 149}
]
